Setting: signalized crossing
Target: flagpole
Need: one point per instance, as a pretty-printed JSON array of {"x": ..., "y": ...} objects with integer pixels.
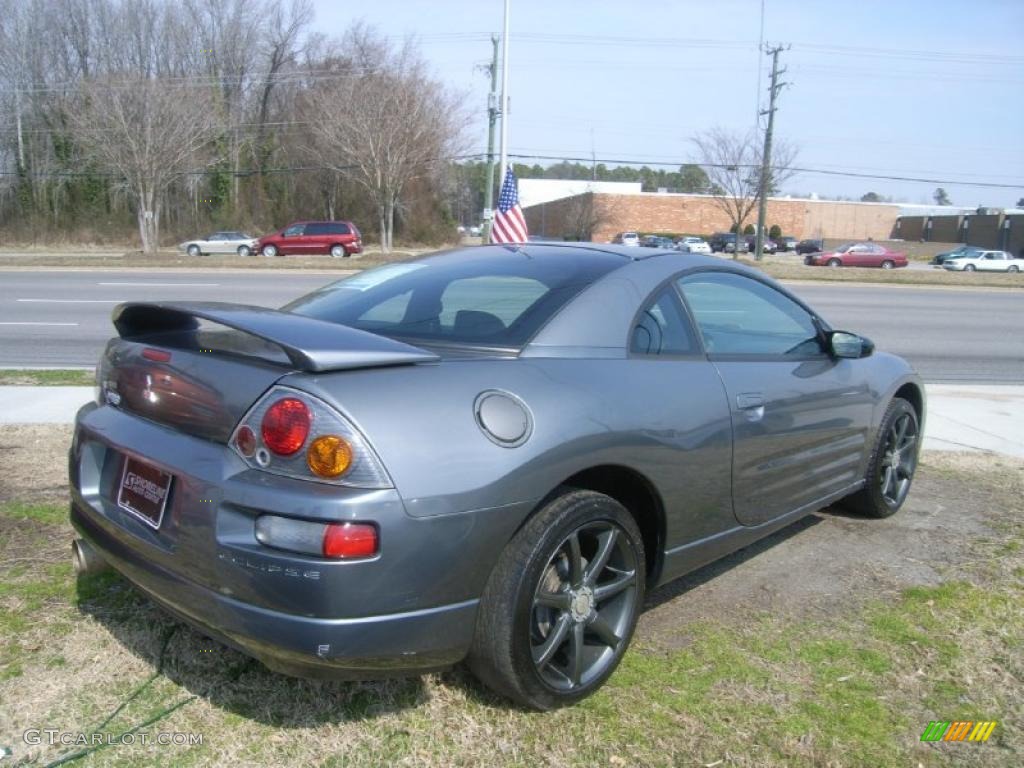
[{"x": 504, "y": 99}]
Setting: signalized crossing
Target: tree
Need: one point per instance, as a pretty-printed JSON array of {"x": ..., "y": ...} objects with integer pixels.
[
  {"x": 941, "y": 197},
  {"x": 381, "y": 122},
  {"x": 147, "y": 133},
  {"x": 693, "y": 179},
  {"x": 733, "y": 166},
  {"x": 582, "y": 217},
  {"x": 871, "y": 197}
]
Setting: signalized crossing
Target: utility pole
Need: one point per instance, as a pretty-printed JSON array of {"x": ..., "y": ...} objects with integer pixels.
[
  {"x": 766, "y": 156},
  {"x": 492, "y": 119},
  {"x": 504, "y": 96}
]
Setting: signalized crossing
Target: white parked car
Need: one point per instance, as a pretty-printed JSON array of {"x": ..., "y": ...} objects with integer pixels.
[
  {"x": 627, "y": 238},
  {"x": 985, "y": 261},
  {"x": 693, "y": 245},
  {"x": 228, "y": 241}
]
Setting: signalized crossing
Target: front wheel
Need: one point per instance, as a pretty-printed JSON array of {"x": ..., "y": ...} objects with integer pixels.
[
  {"x": 338, "y": 251},
  {"x": 969, "y": 268},
  {"x": 835, "y": 263},
  {"x": 244, "y": 251},
  {"x": 887, "y": 264},
  {"x": 893, "y": 462},
  {"x": 270, "y": 251},
  {"x": 562, "y": 602},
  {"x": 1013, "y": 268}
]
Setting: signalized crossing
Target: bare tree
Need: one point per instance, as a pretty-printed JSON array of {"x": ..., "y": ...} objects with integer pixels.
[
  {"x": 148, "y": 133},
  {"x": 733, "y": 165},
  {"x": 582, "y": 216},
  {"x": 380, "y": 121}
]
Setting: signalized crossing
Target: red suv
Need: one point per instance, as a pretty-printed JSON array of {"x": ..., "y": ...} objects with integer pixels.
[{"x": 338, "y": 238}]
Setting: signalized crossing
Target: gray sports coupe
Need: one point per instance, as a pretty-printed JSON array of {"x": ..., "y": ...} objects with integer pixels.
[{"x": 488, "y": 454}]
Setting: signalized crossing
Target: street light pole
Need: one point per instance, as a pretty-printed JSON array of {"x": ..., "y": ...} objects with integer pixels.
[
  {"x": 492, "y": 118},
  {"x": 504, "y": 97}
]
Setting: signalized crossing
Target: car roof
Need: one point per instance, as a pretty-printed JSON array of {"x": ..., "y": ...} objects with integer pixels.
[{"x": 562, "y": 250}]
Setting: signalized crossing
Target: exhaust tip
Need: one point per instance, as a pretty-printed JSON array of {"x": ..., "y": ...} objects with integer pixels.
[{"x": 85, "y": 559}]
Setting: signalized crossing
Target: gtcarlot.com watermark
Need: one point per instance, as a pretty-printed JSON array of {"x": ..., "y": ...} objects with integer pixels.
[{"x": 52, "y": 737}]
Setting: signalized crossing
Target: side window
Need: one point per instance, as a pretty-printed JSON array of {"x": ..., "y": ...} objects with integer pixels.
[
  {"x": 338, "y": 228},
  {"x": 662, "y": 328},
  {"x": 738, "y": 315},
  {"x": 316, "y": 229},
  {"x": 293, "y": 231}
]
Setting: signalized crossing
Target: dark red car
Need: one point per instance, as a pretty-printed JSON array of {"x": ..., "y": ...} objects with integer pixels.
[
  {"x": 858, "y": 255},
  {"x": 338, "y": 238}
]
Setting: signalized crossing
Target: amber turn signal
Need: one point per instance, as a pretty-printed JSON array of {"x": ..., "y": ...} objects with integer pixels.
[{"x": 329, "y": 456}]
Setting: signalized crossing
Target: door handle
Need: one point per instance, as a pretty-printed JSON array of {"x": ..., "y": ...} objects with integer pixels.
[{"x": 748, "y": 400}]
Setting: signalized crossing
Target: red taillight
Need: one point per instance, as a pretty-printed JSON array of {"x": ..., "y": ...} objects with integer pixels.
[
  {"x": 156, "y": 355},
  {"x": 350, "y": 540},
  {"x": 285, "y": 426}
]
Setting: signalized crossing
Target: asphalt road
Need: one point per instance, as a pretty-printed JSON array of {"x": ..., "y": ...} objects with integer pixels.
[{"x": 62, "y": 318}]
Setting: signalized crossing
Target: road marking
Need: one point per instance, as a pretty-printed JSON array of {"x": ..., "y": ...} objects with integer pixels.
[
  {"x": 168, "y": 285},
  {"x": 16, "y": 323},
  {"x": 73, "y": 301}
]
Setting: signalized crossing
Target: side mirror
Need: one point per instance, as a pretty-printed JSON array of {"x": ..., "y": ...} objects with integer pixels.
[{"x": 849, "y": 345}]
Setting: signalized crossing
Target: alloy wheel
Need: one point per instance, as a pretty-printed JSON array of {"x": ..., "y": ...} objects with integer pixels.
[
  {"x": 583, "y": 606},
  {"x": 899, "y": 460}
]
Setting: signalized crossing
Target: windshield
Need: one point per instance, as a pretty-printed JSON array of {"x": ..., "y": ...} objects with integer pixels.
[{"x": 492, "y": 299}]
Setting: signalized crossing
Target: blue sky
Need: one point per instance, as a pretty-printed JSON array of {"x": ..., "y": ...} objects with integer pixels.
[{"x": 903, "y": 88}]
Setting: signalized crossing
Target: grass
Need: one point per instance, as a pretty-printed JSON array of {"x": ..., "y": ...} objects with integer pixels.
[
  {"x": 48, "y": 378},
  {"x": 856, "y": 687}
]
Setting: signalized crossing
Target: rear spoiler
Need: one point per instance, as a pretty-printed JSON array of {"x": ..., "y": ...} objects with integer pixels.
[{"x": 310, "y": 344}]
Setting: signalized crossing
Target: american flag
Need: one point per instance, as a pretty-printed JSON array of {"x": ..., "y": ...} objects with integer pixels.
[{"x": 509, "y": 224}]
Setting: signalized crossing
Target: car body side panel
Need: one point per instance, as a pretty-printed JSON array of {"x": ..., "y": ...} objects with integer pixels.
[
  {"x": 669, "y": 423},
  {"x": 804, "y": 441}
]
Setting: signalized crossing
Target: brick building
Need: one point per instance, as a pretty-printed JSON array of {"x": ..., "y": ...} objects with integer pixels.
[{"x": 656, "y": 212}]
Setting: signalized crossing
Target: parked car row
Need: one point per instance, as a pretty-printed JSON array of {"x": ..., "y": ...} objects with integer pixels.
[{"x": 340, "y": 239}]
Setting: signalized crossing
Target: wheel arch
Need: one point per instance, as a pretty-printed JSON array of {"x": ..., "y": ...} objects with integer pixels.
[
  {"x": 636, "y": 493},
  {"x": 913, "y": 395}
]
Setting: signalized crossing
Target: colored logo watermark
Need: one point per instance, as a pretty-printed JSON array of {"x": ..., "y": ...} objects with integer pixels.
[{"x": 958, "y": 730}]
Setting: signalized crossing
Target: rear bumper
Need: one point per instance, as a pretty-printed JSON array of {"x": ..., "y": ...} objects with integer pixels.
[
  {"x": 361, "y": 648},
  {"x": 410, "y": 609}
]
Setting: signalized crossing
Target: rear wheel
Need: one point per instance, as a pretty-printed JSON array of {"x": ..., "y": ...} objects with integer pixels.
[
  {"x": 194, "y": 250},
  {"x": 562, "y": 602},
  {"x": 835, "y": 263},
  {"x": 887, "y": 264},
  {"x": 969, "y": 268},
  {"x": 893, "y": 462},
  {"x": 270, "y": 250}
]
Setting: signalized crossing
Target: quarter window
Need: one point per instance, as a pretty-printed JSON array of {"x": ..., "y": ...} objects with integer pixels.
[
  {"x": 738, "y": 315},
  {"x": 662, "y": 328}
]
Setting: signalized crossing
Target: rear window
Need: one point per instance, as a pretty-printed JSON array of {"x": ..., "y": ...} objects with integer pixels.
[{"x": 483, "y": 299}]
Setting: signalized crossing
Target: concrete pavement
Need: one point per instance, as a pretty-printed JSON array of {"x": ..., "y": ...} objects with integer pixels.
[{"x": 960, "y": 417}]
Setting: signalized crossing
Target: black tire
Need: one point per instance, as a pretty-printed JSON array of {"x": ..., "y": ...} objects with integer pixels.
[
  {"x": 887, "y": 264},
  {"x": 270, "y": 251},
  {"x": 194, "y": 250},
  {"x": 835, "y": 263},
  {"x": 969, "y": 268},
  {"x": 244, "y": 251},
  {"x": 339, "y": 252},
  {"x": 884, "y": 492},
  {"x": 1013, "y": 268},
  {"x": 524, "y": 633}
]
